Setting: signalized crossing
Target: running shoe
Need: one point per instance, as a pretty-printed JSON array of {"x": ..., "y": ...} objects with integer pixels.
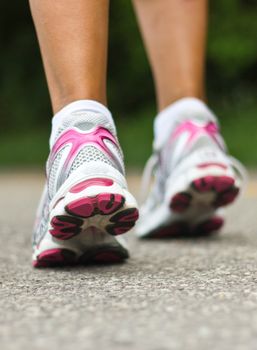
[
  {"x": 85, "y": 204},
  {"x": 194, "y": 175}
]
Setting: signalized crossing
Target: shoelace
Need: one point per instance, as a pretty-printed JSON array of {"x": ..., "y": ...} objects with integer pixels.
[
  {"x": 152, "y": 163},
  {"x": 148, "y": 173}
]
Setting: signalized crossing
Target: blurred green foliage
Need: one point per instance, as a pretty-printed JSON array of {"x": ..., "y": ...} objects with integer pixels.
[
  {"x": 231, "y": 80},
  {"x": 232, "y": 47}
]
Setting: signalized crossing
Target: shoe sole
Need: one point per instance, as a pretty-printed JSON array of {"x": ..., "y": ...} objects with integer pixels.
[
  {"x": 65, "y": 227},
  {"x": 98, "y": 203},
  {"x": 66, "y": 257},
  {"x": 109, "y": 211},
  {"x": 182, "y": 229},
  {"x": 193, "y": 206},
  {"x": 208, "y": 191}
]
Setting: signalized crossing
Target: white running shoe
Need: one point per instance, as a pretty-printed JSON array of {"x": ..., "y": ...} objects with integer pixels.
[
  {"x": 85, "y": 204},
  {"x": 194, "y": 175}
]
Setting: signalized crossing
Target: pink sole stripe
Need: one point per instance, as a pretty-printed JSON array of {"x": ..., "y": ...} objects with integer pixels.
[
  {"x": 107, "y": 257},
  {"x": 92, "y": 182},
  {"x": 207, "y": 165},
  {"x": 55, "y": 257},
  {"x": 182, "y": 229},
  {"x": 63, "y": 257},
  {"x": 122, "y": 221},
  {"x": 212, "y": 225},
  {"x": 104, "y": 204},
  {"x": 65, "y": 227},
  {"x": 215, "y": 183},
  {"x": 180, "y": 202},
  {"x": 222, "y": 186}
]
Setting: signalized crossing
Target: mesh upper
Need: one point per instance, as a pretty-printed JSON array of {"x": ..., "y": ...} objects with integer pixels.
[
  {"x": 89, "y": 154},
  {"x": 85, "y": 120},
  {"x": 53, "y": 171}
]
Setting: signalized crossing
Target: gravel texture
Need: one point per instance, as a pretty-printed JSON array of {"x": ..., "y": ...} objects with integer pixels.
[{"x": 175, "y": 294}]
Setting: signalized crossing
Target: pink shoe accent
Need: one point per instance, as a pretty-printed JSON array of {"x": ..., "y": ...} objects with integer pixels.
[
  {"x": 120, "y": 230},
  {"x": 107, "y": 258},
  {"x": 65, "y": 227},
  {"x": 77, "y": 140},
  {"x": 209, "y": 226},
  {"x": 183, "y": 230},
  {"x": 216, "y": 183},
  {"x": 103, "y": 204},
  {"x": 122, "y": 221},
  {"x": 180, "y": 202},
  {"x": 207, "y": 165},
  {"x": 226, "y": 197},
  {"x": 92, "y": 182},
  {"x": 81, "y": 207},
  {"x": 194, "y": 131},
  {"x": 204, "y": 184},
  {"x": 131, "y": 216},
  {"x": 174, "y": 230},
  {"x": 104, "y": 255},
  {"x": 54, "y": 257},
  {"x": 223, "y": 188},
  {"x": 109, "y": 203}
]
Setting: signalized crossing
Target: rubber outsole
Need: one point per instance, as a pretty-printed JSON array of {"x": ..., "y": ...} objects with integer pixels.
[
  {"x": 65, "y": 257},
  {"x": 222, "y": 189},
  {"x": 65, "y": 227},
  {"x": 104, "y": 255},
  {"x": 55, "y": 257},
  {"x": 108, "y": 212},
  {"x": 182, "y": 229}
]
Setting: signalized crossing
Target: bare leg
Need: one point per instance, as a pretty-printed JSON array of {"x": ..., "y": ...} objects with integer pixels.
[
  {"x": 174, "y": 32},
  {"x": 73, "y": 40}
]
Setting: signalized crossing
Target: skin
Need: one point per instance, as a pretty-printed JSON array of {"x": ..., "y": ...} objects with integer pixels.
[
  {"x": 73, "y": 41},
  {"x": 73, "y": 38},
  {"x": 174, "y": 33}
]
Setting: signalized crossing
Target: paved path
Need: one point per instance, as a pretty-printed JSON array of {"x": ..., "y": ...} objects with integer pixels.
[{"x": 193, "y": 294}]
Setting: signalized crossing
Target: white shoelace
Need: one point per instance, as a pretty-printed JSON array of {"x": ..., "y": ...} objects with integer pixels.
[{"x": 148, "y": 173}]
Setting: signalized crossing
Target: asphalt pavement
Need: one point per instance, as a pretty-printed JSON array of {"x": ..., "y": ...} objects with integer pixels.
[{"x": 176, "y": 294}]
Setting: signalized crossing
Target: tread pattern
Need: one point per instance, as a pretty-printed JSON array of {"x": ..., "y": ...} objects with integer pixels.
[
  {"x": 65, "y": 257},
  {"x": 181, "y": 229},
  {"x": 55, "y": 257},
  {"x": 103, "y": 204},
  {"x": 65, "y": 227},
  {"x": 122, "y": 221},
  {"x": 104, "y": 255},
  {"x": 223, "y": 187}
]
